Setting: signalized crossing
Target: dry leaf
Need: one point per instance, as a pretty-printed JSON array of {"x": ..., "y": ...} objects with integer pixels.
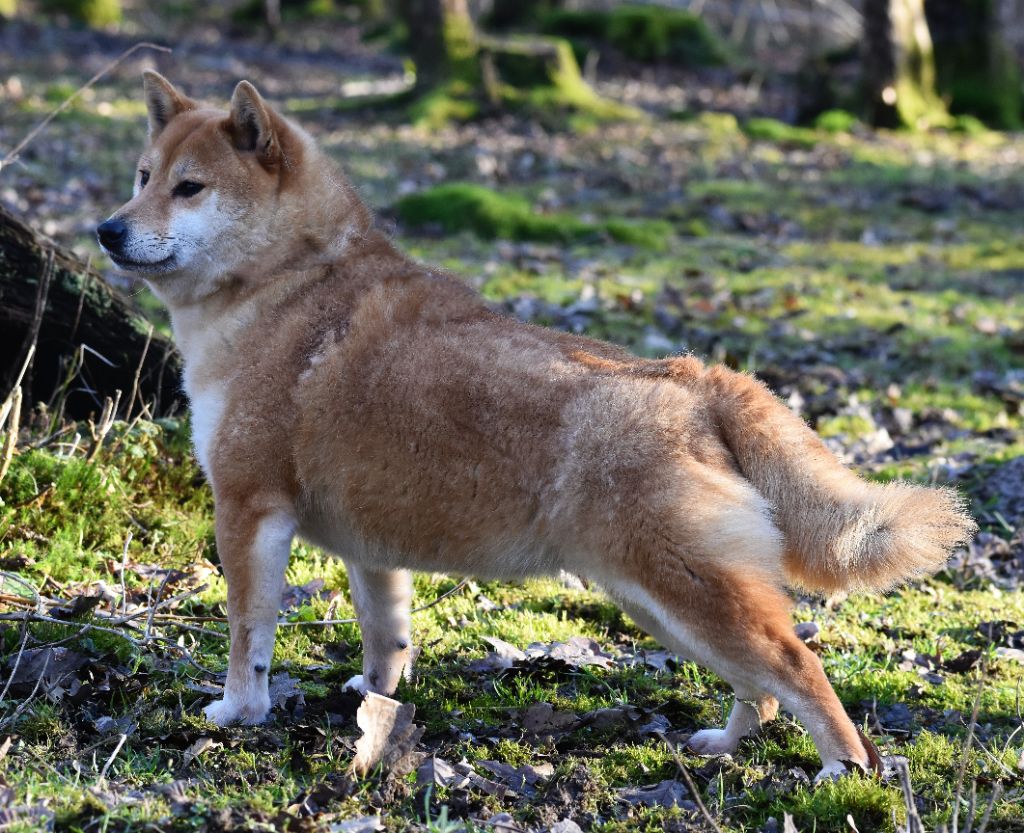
[
  {"x": 197, "y": 749},
  {"x": 439, "y": 772},
  {"x": 285, "y": 692},
  {"x": 521, "y": 779},
  {"x": 577, "y": 651},
  {"x": 389, "y": 735},
  {"x": 543, "y": 719},
  {"x": 504, "y": 823},
  {"x": 664, "y": 794}
]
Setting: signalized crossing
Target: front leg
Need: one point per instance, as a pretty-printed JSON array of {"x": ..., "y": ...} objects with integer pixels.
[
  {"x": 254, "y": 547},
  {"x": 382, "y": 599}
]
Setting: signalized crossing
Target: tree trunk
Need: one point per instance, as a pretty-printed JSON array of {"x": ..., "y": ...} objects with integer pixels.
[
  {"x": 48, "y": 295},
  {"x": 898, "y": 66},
  {"x": 443, "y": 40},
  {"x": 460, "y": 73},
  {"x": 976, "y": 48}
]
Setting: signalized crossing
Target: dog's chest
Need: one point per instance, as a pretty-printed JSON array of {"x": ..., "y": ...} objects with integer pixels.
[{"x": 207, "y": 411}]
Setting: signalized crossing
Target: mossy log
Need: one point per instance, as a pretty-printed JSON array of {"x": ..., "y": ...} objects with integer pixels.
[{"x": 49, "y": 294}]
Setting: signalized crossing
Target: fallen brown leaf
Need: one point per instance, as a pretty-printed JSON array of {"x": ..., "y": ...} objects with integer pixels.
[{"x": 389, "y": 736}]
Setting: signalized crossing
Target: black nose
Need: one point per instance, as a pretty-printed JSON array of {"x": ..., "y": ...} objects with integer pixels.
[{"x": 112, "y": 234}]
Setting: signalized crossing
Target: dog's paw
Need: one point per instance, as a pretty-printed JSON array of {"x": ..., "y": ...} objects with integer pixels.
[
  {"x": 228, "y": 711},
  {"x": 357, "y": 683},
  {"x": 833, "y": 771},
  {"x": 712, "y": 742}
]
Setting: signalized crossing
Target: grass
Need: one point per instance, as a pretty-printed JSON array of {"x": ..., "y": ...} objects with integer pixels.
[{"x": 836, "y": 262}]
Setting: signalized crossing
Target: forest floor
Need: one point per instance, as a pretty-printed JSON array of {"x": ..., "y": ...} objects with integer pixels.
[{"x": 873, "y": 279}]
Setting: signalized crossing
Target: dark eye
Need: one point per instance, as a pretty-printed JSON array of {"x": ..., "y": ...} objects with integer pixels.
[
  {"x": 143, "y": 178},
  {"x": 187, "y": 188}
]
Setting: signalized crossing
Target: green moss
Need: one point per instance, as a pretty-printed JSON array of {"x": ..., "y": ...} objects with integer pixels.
[
  {"x": 254, "y": 11},
  {"x": 836, "y": 121},
  {"x": 645, "y": 33},
  {"x": 873, "y": 805},
  {"x": 544, "y": 78},
  {"x": 97, "y": 13},
  {"x": 459, "y": 206},
  {"x": 772, "y": 130},
  {"x": 848, "y": 426},
  {"x": 651, "y": 234},
  {"x": 537, "y": 76},
  {"x": 452, "y": 102}
]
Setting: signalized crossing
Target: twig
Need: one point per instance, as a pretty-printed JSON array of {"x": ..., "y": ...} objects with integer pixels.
[
  {"x": 914, "y": 823},
  {"x": 32, "y": 335},
  {"x": 17, "y": 661},
  {"x": 996, "y": 789},
  {"x": 5, "y": 408},
  {"x": 113, "y": 755},
  {"x": 323, "y": 622},
  {"x": 968, "y": 743},
  {"x": 86, "y": 280},
  {"x": 138, "y": 374},
  {"x": 98, "y": 430},
  {"x": 972, "y": 805},
  {"x": 124, "y": 569},
  {"x": 688, "y": 779},
  {"x": 35, "y": 131},
  {"x": 24, "y": 703},
  {"x": 11, "y": 437}
]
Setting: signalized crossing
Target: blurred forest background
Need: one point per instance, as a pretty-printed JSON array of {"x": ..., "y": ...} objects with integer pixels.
[{"x": 826, "y": 194}]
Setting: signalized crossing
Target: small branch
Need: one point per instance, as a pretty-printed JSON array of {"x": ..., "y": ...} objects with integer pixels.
[
  {"x": 11, "y": 437},
  {"x": 113, "y": 755},
  {"x": 968, "y": 743},
  {"x": 98, "y": 430},
  {"x": 690, "y": 785},
  {"x": 12, "y": 155},
  {"x": 914, "y": 823},
  {"x": 124, "y": 569}
]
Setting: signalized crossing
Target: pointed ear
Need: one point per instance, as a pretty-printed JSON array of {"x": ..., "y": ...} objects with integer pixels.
[
  {"x": 250, "y": 124},
  {"x": 163, "y": 102}
]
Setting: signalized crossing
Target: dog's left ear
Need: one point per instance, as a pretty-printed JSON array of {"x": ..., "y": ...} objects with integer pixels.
[
  {"x": 163, "y": 102},
  {"x": 250, "y": 124}
]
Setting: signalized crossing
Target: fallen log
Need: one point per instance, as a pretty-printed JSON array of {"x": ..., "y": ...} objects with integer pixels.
[{"x": 90, "y": 341}]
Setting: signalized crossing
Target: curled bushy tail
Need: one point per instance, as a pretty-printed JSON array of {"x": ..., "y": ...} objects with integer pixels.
[{"x": 841, "y": 532}]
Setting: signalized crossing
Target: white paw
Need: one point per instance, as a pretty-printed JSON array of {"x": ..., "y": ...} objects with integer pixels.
[
  {"x": 832, "y": 771},
  {"x": 357, "y": 683},
  {"x": 230, "y": 710},
  {"x": 712, "y": 742}
]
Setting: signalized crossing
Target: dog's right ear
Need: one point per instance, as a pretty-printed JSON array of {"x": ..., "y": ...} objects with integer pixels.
[{"x": 163, "y": 102}]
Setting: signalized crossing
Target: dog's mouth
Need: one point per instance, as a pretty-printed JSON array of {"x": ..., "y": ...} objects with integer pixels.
[{"x": 147, "y": 267}]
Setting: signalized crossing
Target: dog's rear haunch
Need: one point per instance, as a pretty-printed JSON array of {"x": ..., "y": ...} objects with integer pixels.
[{"x": 376, "y": 407}]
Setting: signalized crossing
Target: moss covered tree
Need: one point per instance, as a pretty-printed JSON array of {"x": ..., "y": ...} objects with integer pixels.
[
  {"x": 977, "y": 68},
  {"x": 459, "y": 71},
  {"x": 442, "y": 40},
  {"x": 898, "y": 61}
]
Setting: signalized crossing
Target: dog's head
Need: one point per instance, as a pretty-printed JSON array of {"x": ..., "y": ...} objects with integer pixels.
[{"x": 213, "y": 191}]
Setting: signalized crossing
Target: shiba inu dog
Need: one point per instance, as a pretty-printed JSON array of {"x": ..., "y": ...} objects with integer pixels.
[{"x": 376, "y": 407}]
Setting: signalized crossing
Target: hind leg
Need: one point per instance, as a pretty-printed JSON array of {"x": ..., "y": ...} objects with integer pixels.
[{"x": 739, "y": 627}]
